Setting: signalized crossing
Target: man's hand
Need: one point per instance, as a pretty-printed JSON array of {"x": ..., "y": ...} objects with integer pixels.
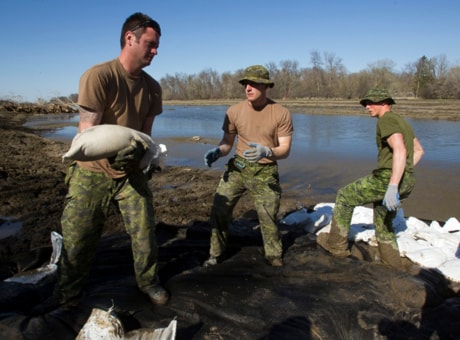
[
  {"x": 391, "y": 199},
  {"x": 211, "y": 156},
  {"x": 257, "y": 152},
  {"x": 129, "y": 157}
]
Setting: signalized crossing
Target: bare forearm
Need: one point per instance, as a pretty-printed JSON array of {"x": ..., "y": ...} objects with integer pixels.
[
  {"x": 283, "y": 149},
  {"x": 418, "y": 151},
  {"x": 224, "y": 149},
  {"x": 398, "y": 166},
  {"x": 88, "y": 119},
  {"x": 280, "y": 152}
]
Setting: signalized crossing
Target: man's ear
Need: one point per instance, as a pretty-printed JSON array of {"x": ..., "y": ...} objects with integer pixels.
[{"x": 129, "y": 38}]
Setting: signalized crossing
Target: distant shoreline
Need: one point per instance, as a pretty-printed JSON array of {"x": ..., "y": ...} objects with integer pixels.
[
  {"x": 413, "y": 108},
  {"x": 436, "y": 109}
]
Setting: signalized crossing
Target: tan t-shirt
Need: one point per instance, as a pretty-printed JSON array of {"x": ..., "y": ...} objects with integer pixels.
[
  {"x": 124, "y": 99},
  {"x": 258, "y": 126}
]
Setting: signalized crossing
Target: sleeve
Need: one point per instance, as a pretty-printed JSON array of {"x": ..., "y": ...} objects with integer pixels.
[
  {"x": 228, "y": 125},
  {"x": 92, "y": 93},
  {"x": 389, "y": 125},
  {"x": 286, "y": 127},
  {"x": 156, "y": 92}
]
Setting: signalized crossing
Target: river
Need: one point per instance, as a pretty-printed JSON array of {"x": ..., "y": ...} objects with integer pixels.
[{"x": 328, "y": 151}]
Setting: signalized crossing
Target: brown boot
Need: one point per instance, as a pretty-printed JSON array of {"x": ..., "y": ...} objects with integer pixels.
[
  {"x": 389, "y": 255},
  {"x": 334, "y": 242}
]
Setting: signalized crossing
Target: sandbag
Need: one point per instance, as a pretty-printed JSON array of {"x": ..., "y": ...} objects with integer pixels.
[
  {"x": 105, "y": 325},
  {"x": 104, "y": 141}
]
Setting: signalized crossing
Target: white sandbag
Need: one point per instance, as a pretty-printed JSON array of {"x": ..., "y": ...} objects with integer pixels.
[
  {"x": 451, "y": 269},
  {"x": 101, "y": 324},
  {"x": 34, "y": 276},
  {"x": 104, "y": 141},
  {"x": 105, "y": 325},
  {"x": 428, "y": 257},
  {"x": 451, "y": 225}
]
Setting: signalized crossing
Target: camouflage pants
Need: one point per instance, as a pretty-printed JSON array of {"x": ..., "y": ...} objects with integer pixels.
[
  {"x": 262, "y": 182},
  {"x": 86, "y": 207},
  {"x": 371, "y": 189}
]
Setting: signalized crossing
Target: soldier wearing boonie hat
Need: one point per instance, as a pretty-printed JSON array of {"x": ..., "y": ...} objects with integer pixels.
[
  {"x": 393, "y": 179},
  {"x": 257, "y": 74},
  {"x": 264, "y": 129}
]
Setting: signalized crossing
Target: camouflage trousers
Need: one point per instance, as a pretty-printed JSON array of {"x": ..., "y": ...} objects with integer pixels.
[
  {"x": 262, "y": 182},
  {"x": 86, "y": 207},
  {"x": 371, "y": 189}
]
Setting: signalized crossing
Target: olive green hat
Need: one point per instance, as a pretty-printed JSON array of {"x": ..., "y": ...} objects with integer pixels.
[
  {"x": 257, "y": 74},
  {"x": 377, "y": 95}
]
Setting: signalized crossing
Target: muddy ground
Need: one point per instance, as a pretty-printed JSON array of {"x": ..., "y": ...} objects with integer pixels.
[
  {"x": 314, "y": 296},
  {"x": 32, "y": 189}
]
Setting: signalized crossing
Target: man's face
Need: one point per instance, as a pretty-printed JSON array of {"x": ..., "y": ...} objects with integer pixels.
[
  {"x": 146, "y": 47},
  {"x": 255, "y": 92},
  {"x": 376, "y": 109}
]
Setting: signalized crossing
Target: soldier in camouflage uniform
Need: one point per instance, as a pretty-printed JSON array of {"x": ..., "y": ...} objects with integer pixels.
[
  {"x": 263, "y": 129},
  {"x": 115, "y": 92},
  {"x": 398, "y": 152}
]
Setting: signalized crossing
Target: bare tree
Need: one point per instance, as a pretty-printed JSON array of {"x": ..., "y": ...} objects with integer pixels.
[{"x": 424, "y": 76}]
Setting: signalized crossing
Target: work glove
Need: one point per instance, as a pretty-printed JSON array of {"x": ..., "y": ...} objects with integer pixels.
[
  {"x": 257, "y": 152},
  {"x": 391, "y": 199},
  {"x": 129, "y": 157},
  {"x": 211, "y": 156}
]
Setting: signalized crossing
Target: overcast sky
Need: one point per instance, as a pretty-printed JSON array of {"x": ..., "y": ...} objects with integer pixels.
[{"x": 47, "y": 45}]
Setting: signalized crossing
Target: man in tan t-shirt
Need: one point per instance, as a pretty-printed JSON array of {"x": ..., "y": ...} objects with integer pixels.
[
  {"x": 115, "y": 92},
  {"x": 263, "y": 129}
]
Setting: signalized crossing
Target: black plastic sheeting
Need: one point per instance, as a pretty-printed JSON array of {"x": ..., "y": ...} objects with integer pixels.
[{"x": 314, "y": 296}]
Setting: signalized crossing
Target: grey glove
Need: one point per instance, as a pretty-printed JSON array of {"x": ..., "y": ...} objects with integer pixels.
[
  {"x": 129, "y": 157},
  {"x": 391, "y": 199},
  {"x": 211, "y": 156},
  {"x": 257, "y": 152}
]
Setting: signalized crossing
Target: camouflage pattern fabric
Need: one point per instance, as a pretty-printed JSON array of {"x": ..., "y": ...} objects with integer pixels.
[
  {"x": 86, "y": 207},
  {"x": 377, "y": 95},
  {"x": 371, "y": 189},
  {"x": 262, "y": 182}
]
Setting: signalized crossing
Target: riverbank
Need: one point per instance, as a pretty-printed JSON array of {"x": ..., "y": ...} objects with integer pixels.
[{"x": 446, "y": 109}]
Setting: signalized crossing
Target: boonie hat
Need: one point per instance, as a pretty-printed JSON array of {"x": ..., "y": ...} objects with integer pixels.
[
  {"x": 257, "y": 74},
  {"x": 377, "y": 95}
]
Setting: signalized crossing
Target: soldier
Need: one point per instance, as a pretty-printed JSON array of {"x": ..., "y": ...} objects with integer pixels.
[
  {"x": 398, "y": 153},
  {"x": 115, "y": 92},
  {"x": 264, "y": 129}
]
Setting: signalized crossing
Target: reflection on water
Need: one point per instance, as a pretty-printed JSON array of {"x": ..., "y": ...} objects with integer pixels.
[
  {"x": 327, "y": 152},
  {"x": 337, "y": 136}
]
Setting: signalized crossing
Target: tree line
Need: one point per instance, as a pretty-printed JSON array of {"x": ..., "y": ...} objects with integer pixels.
[{"x": 427, "y": 78}]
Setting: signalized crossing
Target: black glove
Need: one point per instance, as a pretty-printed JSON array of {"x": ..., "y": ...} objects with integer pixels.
[
  {"x": 211, "y": 156},
  {"x": 128, "y": 158}
]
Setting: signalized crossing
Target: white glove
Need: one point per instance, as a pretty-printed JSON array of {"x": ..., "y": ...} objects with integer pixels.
[
  {"x": 391, "y": 199},
  {"x": 257, "y": 152}
]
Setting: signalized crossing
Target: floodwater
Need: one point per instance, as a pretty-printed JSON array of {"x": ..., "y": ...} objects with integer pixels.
[{"x": 328, "y": 152}]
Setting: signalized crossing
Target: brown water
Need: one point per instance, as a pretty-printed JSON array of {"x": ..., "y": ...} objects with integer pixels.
[{"x": 317, "y": 177}]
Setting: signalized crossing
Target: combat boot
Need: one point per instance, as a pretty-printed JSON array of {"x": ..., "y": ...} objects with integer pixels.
[
  {"x": 157, "y": 294},
  {"x": 334, "y": 242},
  {"x": 390, "y": 256}
]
